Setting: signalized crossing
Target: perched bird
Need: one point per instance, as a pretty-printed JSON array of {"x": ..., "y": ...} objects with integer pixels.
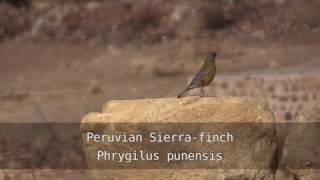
[{"x": 205, "y": 75}]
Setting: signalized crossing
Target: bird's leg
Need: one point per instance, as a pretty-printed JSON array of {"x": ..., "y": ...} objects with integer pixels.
[{"x": 202, "y": 92}]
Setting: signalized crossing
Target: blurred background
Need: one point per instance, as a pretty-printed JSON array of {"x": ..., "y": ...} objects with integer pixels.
[{"x": 60, "y": 59}]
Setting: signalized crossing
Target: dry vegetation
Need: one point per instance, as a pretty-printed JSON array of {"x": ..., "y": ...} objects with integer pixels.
[{"x": 151, "y": 22}]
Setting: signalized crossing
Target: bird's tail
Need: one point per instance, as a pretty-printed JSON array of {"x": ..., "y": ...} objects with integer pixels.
[{"x": 182, "y": 93}]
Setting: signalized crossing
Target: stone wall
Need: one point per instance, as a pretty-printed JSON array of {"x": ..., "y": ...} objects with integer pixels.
[{"x": 284, "y": 92}]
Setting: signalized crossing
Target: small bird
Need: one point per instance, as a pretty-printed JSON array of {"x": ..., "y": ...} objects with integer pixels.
[{"x": 205, "y": 75}]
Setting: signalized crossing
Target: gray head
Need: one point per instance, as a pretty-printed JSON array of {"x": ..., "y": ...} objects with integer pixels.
[{"x": 211, "y": 56}]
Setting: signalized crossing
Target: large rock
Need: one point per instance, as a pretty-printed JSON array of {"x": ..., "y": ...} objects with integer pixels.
[
  {"x": 258, "y": 148},
  {"x": 188, "y": 109}
]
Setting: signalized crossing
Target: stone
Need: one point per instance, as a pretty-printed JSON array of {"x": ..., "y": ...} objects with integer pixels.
[
  {"x": 93, "y": 5},
  {"x": 300, "y": 152},
  {"x": 187, "y": 110},
  {"x": 283, "y": 174}
]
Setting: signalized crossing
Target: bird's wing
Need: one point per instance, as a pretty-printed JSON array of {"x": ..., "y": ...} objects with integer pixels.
[{"x": 197, "y": 80}]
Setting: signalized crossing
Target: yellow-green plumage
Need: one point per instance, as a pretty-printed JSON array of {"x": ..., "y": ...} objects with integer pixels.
[{"x": 205, "y": 75}]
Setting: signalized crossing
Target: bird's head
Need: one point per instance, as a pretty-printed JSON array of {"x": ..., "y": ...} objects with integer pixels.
[{"x": 211, "y": 56}]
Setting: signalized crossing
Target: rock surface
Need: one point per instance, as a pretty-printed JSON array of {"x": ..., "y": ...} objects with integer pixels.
[
  {"x": 300, "y": 152},
  {"x": 188, "y": 109}
]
